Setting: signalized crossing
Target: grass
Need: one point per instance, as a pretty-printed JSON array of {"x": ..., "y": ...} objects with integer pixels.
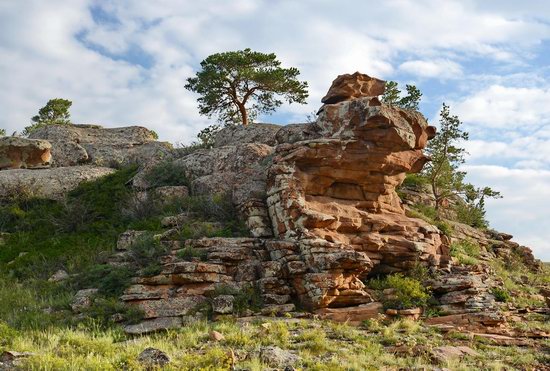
[{"x": 466, "y": 252}]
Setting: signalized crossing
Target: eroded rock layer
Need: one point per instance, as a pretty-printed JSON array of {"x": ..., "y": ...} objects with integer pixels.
[{"x": 335, "y": 196}]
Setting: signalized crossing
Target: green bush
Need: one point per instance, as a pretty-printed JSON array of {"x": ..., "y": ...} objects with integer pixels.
[
  {"x": 414, "y": 181},
  {"x": 501, "y": 295},
  {"x": 408, "y": 292},
  {"x": 167, "y": 173},
  {"x": 248, "y": 297},
  {"x": 189, "y": 253},
  {"x": 470, "y": 215},
  {"x": 109, "y": 280}
]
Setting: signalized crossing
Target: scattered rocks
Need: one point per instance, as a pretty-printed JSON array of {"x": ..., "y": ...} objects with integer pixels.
[
  {"x": 152, "y": 358},
  {"x": 17, "y": 153}
]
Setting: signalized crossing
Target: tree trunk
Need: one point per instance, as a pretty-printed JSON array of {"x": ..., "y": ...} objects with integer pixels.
[{"x": 244, "y": 114}]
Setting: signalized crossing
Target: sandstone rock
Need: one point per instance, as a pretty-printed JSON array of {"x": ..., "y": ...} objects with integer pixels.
[
  {"x": 413, "y": 313},
  {"x": 52, "y": 183},
  {"x": 11, "y": 360},
  {"x": 59, "y": 276},
  {"x": 216, "y": 336},
  {"x": 223, "y": 304},
  {"x": 277, "y": 357},
  {"x": 154, "y": 325},
  {"x": 357, "y": 85},
  {"x": 152, "y": 358},
  {"x": 352, "y": 315},
  {"x": 446, "y": 353},
  {"x": 17, "y": 153},
  {"x": 546, "y": 294},
  {"x": 83, "y": 300},
  {"x": 92, "y": 144}
]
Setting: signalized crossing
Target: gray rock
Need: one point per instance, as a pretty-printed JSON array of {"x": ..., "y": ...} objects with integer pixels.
[
  {"x": 277, "y": 357},
  {"x": 154, "y": 325},
  {"x": 153, "y": 358},
  {"x": 59, "y": 276},
  {"x": 253, "y": 133},
  {"x": 92, "y": 144},
  {"x": 223, "y": 304},
  {"x": 52, "y": 183},
  {"x": 83, "y": 300},
  {"x": 128, "y": 238}
]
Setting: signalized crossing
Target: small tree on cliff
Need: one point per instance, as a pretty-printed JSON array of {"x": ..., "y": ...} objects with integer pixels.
[
  {"x": 229, "y": 82},
  {"x": 442, "y": 172},
  {"x": 2, "y": 132},
  {"x": 55, "y": 112},
  {"x": 392, "y": 96}
]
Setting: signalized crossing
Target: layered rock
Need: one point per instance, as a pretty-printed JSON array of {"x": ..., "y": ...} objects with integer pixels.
[
  {"x": 92, "y": 144},
  {"x": 17, "y": 153},
  {"x": 325, "y": 192},
  {"x": 335, "y": 197}
]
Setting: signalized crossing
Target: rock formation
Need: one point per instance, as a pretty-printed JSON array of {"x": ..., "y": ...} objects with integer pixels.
[
  {"x": 94, "y": 145},
  {"x": 17, "y": 153},
  {"x": 323, "y": 199}
]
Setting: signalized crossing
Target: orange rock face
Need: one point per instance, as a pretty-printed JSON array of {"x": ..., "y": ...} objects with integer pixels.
[
  {"x": 17, "y": 153},
  {"x": 346, "y": 87},
  {"x": 335, "y": 197}
]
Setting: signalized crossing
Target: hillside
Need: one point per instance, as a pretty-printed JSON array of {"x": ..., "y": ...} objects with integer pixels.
[{"x": 305, "y": 246}]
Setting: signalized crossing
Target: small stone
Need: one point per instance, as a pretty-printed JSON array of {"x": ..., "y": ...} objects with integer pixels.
[
  {"x": 223, "y": 304},
  {"x": 152, "y": 358},
  {"x": 216, "y": 336},
  {"x": 445, "y": 353},
  {"x": 83, "y": 300},
  {"x": 277, "y": 357},
  {"x": 59, "y": 276}
]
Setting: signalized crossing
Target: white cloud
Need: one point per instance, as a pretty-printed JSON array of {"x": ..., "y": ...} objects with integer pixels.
[
  {"x": 523, "y": 210},
  {"x": 506, "y": 107},
  {"x": 438, "y": 68}
]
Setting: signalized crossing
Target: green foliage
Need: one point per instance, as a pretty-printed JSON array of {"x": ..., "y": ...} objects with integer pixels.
[
  {"x": 392, "y": 96},
  {"x": 500, "y": 294},
  {"x": 104, "y": 309},
  {"x": 229, "y": 81},
  {"x": 146, "y": 250},
  {"x": 55, "y": 112},
  {"x": 466, "y": 252},
  {"x": 109, "y": 280},
  {"x": 167, "y": 173},
  {"x": 2, "y": 132},
  {"x": 414, "y": 181},
  {"x": 190, "y": 253},
  {"x": 408, "y": 292}
]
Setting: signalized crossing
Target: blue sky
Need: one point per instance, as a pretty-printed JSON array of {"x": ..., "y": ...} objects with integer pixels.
[{"x": 125, "y": 63}]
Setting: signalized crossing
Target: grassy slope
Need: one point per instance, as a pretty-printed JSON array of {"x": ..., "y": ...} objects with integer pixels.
[{"x": 35, "y": 314}]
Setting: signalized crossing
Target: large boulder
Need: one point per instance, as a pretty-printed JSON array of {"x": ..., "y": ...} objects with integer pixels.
[
  {"x": 52, "y": 183},
  {"x": 92, "y": 144},
  {"x": 353, "y": 86},
  {"x": 17, "y": 153}
]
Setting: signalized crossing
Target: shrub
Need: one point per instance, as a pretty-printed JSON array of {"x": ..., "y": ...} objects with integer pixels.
[
  {"x": 408, "y": 292},
  {"x": 167, "y": 173},
  {"x": 414, "y": 181},
  {"x": 501, "y": 295},
  {"x": 248, "y": 297},
  {"x": 110, "y": 281},
  {"x": 189, "y": 253},
  {"x": 146, "y": 252},
  {"x": 470, "y": 215}
]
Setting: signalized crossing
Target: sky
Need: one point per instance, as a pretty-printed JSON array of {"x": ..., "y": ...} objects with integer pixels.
[{"x": 125, "y": 63}]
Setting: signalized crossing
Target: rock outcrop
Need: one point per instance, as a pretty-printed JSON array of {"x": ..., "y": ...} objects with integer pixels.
[
  {"x": 94, "y": 145},
  {"x": 17, "y": 153},
  {"x": 324, "y": 195},
  {"x": 52, "y": 183}
]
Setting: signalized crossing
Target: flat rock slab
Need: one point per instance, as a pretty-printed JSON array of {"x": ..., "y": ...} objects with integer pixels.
[
  {"x": 52, "y": 183},
  {"x": 154, "y": 325},
  {"x": 351, "y": 315}
]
